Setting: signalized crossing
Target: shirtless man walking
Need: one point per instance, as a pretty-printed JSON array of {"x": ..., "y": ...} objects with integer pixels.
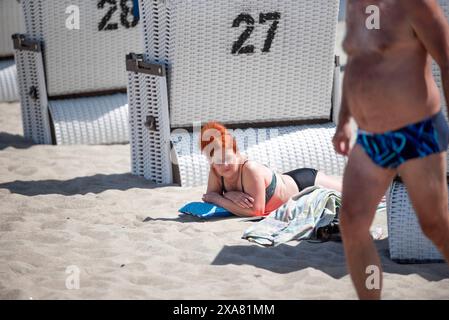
[{"x": 390, "y": 92}]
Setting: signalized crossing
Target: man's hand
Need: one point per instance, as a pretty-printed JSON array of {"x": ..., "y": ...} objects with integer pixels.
[
  {"x": 342, "y": 139},
  {"x": 211, "y": 197},
  {"x": 239, "y": 198}
]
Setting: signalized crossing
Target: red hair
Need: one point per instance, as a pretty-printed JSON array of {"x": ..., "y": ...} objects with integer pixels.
[{"x": 223, "y": 138}]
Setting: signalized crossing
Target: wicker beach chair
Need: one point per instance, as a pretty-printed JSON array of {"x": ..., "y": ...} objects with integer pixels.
[
  {"x": 406, "y": 240},
  {"x": 72, "y": 78},
  {"x": 11, "y": 22},
  {"x": 265, "y": 68}
]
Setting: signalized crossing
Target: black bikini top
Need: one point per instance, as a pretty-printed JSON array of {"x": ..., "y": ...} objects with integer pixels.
[{"x": 269, "y": 191}]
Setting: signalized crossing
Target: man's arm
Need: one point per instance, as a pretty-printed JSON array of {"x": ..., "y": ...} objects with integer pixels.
[
  {"x": 343, "y": 133},
  {"x": 345, "y": 115},
  {"x": 430, "y": 24}
]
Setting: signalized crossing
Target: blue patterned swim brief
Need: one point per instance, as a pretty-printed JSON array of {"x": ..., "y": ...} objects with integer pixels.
[{"x": 419, "y": 140}]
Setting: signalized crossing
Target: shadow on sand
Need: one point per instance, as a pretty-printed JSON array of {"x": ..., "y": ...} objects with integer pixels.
[
  {"x": 14, "y": 140},
  {"x": 185, "y": 218},
  {"x": 80, "y": 185},
  {"x": 327, "y": 257}
]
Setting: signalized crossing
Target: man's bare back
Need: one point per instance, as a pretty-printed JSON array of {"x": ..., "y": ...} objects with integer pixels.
[{"x": 388, "y": 79}]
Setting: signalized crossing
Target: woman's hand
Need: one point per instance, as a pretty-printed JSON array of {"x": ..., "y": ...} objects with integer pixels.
[
  {"x": 239, "y": 198},
  {"x": 211, "y": 197}
]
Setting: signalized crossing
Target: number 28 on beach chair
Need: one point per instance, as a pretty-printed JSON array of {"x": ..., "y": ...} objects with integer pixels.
[
  {"x": 11, "y": 21},
  {"x": 71, "y": 74},
  {"x": 266, "y": 69}
]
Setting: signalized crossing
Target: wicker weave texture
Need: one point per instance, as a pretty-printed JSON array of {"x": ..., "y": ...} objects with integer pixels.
[
  {"x": 8, "y": 81},
  {"x": 150, "y": 150},
  {"x": 406, "y": 240},
  {"x": 11, "y": 21},
  {"x": 93, "y": 120},
  {"x": 281, "y": 148},
  {"x": 85, "y": 60},
  {"x": 207, "y": 81},
  {"x": 33, "y": 96}
]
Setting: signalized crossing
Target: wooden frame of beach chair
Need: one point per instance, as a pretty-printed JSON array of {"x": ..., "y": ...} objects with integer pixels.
[
  {"x": 11, "y": 22},
  {"x": 406, "y": 240},
  {"x": 71, "y": 79},
  {"x": 264, "y": 67}
]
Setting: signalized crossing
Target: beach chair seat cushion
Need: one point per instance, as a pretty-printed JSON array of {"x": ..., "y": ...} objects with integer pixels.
[
  {"x": 91, "y": 120},
  {"x": 8, "y": 81}
]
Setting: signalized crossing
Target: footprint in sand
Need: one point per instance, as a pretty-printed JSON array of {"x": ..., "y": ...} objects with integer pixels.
[
  {"x": 23, "y": 170},
  {"x": 76, "y": 203},
  {"x": 12, "y": 294},
  {"x": 54, "y": 225}
]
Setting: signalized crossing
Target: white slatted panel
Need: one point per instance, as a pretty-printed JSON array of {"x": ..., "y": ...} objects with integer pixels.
[
  {"x": 30, "y": 75},
  {"x": 150, "y": 150},
  {"x": 93, "y": 120},
  {"x": 11, "y": 21}
]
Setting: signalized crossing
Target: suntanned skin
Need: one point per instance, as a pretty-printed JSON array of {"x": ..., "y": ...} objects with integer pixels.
[{"x": 388, "y": 85}]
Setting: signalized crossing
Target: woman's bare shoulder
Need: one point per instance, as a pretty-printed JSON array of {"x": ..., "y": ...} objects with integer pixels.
[{"x": 254, "y": 168}]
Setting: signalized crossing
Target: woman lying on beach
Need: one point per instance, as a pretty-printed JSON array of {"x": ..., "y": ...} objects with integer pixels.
[{"x": 247, "y": 188}]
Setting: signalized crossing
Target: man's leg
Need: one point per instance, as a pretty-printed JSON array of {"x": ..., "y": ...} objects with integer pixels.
[
  {"x": 364, "y": 185},
  {"x": 426, "y": 184}
]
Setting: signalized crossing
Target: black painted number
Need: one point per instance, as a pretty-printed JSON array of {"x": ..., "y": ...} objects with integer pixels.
[
  {"x": 126, "y": 12},
  {"x": 239, "y": 46},
  {"x": 272, "y": 16},
  {"x": 104, "y": 23}
]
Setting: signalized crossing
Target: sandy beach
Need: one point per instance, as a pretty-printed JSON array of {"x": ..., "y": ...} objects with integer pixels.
[{"x": 79, "y": 206}]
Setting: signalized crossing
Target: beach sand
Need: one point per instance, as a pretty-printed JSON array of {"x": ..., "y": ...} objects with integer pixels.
[{"x": 79, "y": 206}]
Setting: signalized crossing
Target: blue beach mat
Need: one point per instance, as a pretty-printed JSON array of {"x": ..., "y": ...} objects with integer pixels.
[{"x": 205, "y": 210}]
